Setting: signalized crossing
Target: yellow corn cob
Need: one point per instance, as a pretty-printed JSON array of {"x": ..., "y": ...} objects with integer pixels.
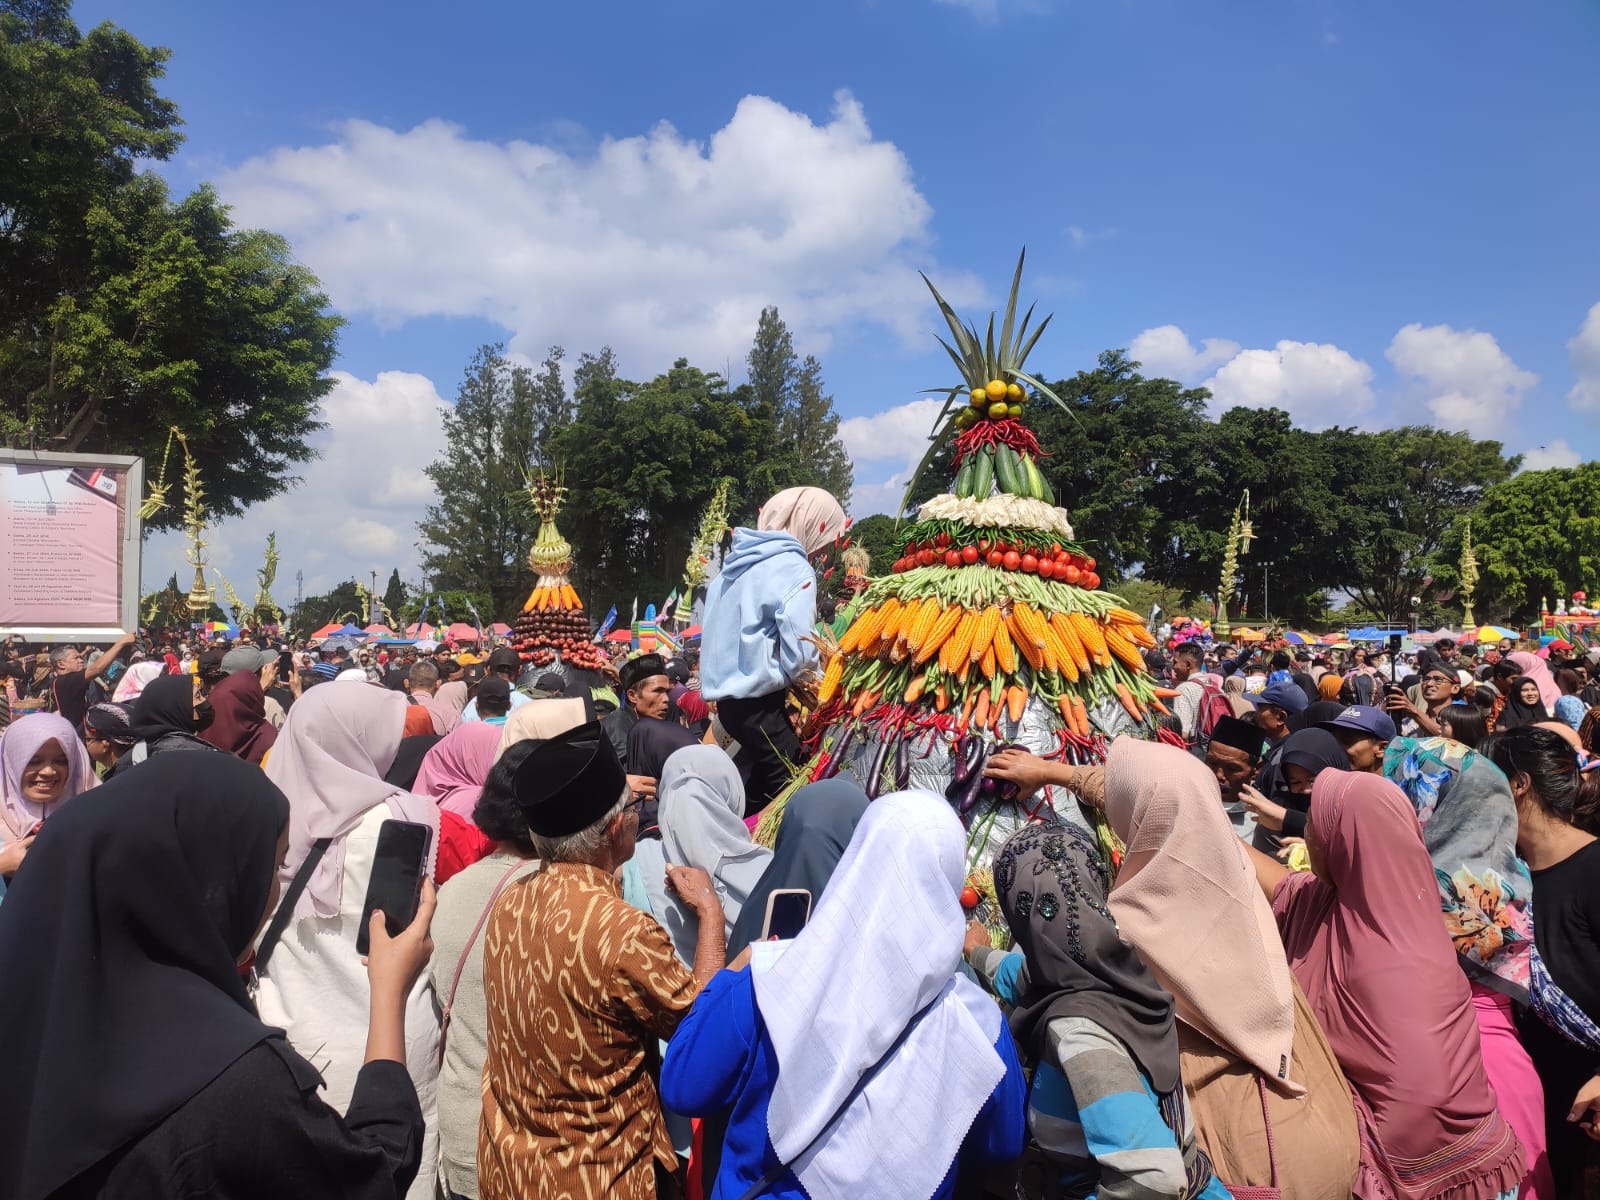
[
  {"x": 862, "y": 628},
  {"x": 1069, "y": 639},
  {"x": 1033, "y": 622},
  {"x": 830, "y": 679},
  {"x": 986, "y": 662},
  {"x": 953, "y": 654},
  {"x": 570, "y": 593},
  {"x": 1123, "y": 649},
  {"x": 1124, "y": 616},
  {"x": 910, "y": 617},
  {"x": 1138, "y": 635},
  {"x": 1024, "y": 639},
  {"x": 983, "y": 638},
  {"x": 1005, "y": 652},
  {"x": 1093, "y": 640},
  {"x": 947, "y": 621},
  {"x": 892, "y": 611},
  {"x": 917, "y": 631},
  {"x": 1063, "y": 656}
]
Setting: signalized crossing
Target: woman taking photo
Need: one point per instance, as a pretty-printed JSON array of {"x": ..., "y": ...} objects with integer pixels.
[
  {"x": 1558, "y": 816},
  {"x": 138, "y": 1066}
]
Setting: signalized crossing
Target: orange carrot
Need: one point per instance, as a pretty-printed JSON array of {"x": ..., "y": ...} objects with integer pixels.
[
  {"x": 1128, "y": 702},
  {"x": 1081, "y": 716},
  {"x": 966, "y": 710},
  {"x": 1166, "y": 693},
  {"x": 980, "y": 712},
  {"x": 1016, "y": 701},
  {"x": 1160, "y": 707},
  {"x": 915, "y": 687},
  {"x": 941, "y": 698}
]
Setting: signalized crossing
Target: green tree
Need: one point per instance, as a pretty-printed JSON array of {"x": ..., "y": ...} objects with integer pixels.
[
  {"x": 121, "y": 312},
  {"x": 1399, "y": 492},
  {"x": 877, "y": 535},
  {"x": 476, "y": 538},
  {"x": 642, "y": 462},
  {"x": 1537, "y": 536},
  {"x": 552, "y": 410},
  {"x": 343, "y": 603},
  {"x": 394, "y": 593},
  {"x": 790, "y": 395}
]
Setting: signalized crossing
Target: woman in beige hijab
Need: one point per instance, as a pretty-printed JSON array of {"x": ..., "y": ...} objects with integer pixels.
[{"x": 1271, "y": 1106}]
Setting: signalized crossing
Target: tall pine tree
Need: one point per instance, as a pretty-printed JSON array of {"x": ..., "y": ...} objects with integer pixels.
[
  {"x": 790, "y": 394},
  {"x": 477, "y": 536},
  {"x": 552, "y": 411}
]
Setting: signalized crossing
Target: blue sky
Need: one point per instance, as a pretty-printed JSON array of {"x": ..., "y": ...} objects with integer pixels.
[{"x": 1365, "y": 213}]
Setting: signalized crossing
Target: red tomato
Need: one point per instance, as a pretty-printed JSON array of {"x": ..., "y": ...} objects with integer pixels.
[
  {"x": 952, "y": 558},
  {"x": 1003, "y": 547},
  {"x": 925, "y": 558},
  {"x": 942, "y": 540},
  {"x": 983, "y": 545},
  {"x": 969, "y": 898},
  {"x": 1030, "y": 564},
  {"x": 1091, "y": 581},
  {"x": 1047, "y": 569},
  {"x": 1088, "y": 564},
  {"x": 1012, "y": 560},
  {"x": 1070, "y": 573},
  {"x": 969, "y": 554},
  {"x": 1055, "y": 549},
  {"x": 994, "y": 558}
]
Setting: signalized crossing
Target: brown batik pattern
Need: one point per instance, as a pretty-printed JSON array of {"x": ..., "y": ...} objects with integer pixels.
[{"x": 578, "y": 983}]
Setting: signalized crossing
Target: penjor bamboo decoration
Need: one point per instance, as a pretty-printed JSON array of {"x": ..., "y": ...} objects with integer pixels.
[
  {"x": 1469, "y": 575},
  {"x": 1240, "y": 534},
  {"x": 713, "y": 528}
]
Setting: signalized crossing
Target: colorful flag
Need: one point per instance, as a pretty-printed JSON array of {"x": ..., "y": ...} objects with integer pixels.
[{"x": 606, "y": 625}]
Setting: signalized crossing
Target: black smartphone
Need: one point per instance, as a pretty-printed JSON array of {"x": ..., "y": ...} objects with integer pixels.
[
  {"x": 788, "y": 910},
  {"x": 397, "y": 871}
]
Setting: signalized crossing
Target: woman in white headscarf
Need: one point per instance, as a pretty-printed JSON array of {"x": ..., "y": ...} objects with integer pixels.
[
  {"x": 329, "y": 760},
  {"x": 760, "y": 615},
  {"x": 854, "y": 1061},
  {"x": 701, "y": 802}
]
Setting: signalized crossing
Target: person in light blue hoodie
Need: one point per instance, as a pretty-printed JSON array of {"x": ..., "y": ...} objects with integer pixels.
[{"x": 759, "y": 611}]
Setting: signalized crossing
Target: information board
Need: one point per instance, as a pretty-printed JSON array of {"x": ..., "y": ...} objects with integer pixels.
[{"x": 69, "y": 545}]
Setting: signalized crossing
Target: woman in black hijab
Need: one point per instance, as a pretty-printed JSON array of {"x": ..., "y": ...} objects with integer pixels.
[
  {"x": 136, "y": 1063},
  {"x": 1523, "y": 705},
  {"x": 1305, "y": 755},
  {"x": 166, "y": 716},
  {"x": 1093, "y": 1021},
  {"x": 817, "y": 824}
]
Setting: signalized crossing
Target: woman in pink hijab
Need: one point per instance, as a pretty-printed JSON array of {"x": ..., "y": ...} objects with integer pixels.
[
  {"x": 1363, "y": 937},
  {"x": 43, "y": 764},
  {"x": 330, "y": 760},
  {"x": 453, "y": 771}
]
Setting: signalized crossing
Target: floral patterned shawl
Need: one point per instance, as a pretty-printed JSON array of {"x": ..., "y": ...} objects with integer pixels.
[{"x": 1469, "y": 824}]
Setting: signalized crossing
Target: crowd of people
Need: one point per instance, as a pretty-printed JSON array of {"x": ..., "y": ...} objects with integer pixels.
[{"x": 1310, "y": 969}]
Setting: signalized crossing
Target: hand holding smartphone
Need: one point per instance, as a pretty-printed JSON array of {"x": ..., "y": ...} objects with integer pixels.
[
  {"x": 398, "y": 870},
  {"x": 788, "y": 910}
]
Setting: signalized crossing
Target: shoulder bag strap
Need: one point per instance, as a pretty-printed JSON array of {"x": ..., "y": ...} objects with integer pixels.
[
  {"x": 466, "y": 950},
  {"x": 297, "y": 887}
]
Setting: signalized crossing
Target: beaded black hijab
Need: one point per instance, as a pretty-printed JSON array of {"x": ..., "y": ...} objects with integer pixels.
[{"x": 1053, "y": 893}]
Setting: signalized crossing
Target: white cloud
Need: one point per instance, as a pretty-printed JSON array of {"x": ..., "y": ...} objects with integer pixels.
[
  {"x": 1081, "y": 237},
  {"x": 657, "y": 244},
  {"x": 1584, "y": 353},
  {"x": 1318, "y": 384},
  {"x": 356, "y": 508},
  {"x": 1467, "y": 381},
  {"x": 1552, "y": 454},
  {"x": 897, "y": 435},
  {"x": 1165, "y": 352}
]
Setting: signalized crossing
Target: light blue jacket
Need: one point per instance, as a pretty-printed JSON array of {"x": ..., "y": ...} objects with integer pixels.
[{"x": 758, "y": 612}]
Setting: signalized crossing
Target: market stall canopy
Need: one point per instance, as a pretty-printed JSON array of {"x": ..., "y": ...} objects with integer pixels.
[
  {"x": 423, "y": 630},
  {"x": 690, "y": 633},
  {"x": 1495, "y": 633},
  {"x": 327, "y": 631},
  {"x": 353, "y": 632},
  {"x": 500, "y": 629},
  {"x": 462, "y": 632},
  {"x": 1373, "y": 634},
  {"x": 1335, "y": 639},
  {"x": 620, "y": 635},
  {"x": 378, "y": 630},
  {"x": 1249, "y": 635},
  {"x": 1296, "y": 638}
]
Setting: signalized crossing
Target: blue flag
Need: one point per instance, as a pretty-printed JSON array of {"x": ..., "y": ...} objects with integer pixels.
[{"x": 606, "y": 625}]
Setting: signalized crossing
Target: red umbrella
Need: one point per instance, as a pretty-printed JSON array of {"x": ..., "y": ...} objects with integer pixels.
[
  {"x": 620, "y": 635},
  {"x": 692, "y": 632}
]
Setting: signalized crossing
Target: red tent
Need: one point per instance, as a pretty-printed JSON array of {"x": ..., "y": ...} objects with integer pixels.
[
  {"x": 326, "y": 631},
  {"x": 500, "y": 629},
  {"x": 620, "y": 635},
  {"x": 462, "y": 632},
  {"x": 420, "y": 631}
]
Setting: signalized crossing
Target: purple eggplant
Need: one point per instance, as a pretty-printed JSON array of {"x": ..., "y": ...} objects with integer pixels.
[
  {"x": 976, "y": 781},
  {"x": 874, "y": 786},
  {"x": 902, "y": 765}
]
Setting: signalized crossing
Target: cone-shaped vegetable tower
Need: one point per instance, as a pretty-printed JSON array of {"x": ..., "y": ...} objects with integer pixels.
[
  {"x": 552, "y": 622},
  {"x": 991, "y": 630}
]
